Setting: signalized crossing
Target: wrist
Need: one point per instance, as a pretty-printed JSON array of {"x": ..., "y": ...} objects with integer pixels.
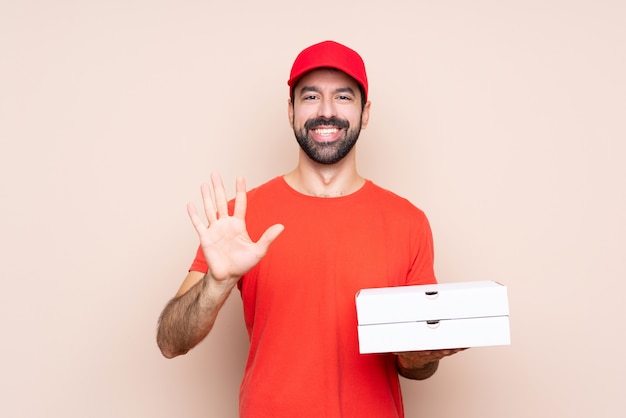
[{"x": 221, "y": 287}]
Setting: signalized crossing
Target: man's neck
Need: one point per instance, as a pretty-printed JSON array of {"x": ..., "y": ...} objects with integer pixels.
[{"x": 321, "y": 180}]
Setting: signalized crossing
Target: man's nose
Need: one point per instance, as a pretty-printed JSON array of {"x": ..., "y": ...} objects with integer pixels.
[{"x": 326, "y": 108}]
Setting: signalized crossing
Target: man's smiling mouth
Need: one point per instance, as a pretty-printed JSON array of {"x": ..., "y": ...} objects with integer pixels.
[{"x": 326, "y": 131}]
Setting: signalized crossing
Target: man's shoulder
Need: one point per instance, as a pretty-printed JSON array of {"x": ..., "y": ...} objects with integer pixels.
[
  {"x": 385, "y": 196},
  {"x": 273, "y": 186}
]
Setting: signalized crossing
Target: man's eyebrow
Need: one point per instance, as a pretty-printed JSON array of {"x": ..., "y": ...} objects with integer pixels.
[
  {"x": 314, "y": 89},
  {"x": 309, "y": 89},
  {"x": 345, "y": 90}
]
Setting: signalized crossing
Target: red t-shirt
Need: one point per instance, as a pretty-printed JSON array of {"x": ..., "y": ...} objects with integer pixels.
[{"x": 299, "y": 301}]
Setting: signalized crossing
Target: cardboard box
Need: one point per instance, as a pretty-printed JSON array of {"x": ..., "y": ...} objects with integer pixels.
[{"x": 429, "y": 317}]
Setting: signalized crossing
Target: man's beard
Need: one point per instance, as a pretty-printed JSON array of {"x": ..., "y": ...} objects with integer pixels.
[{"x": 327, "y": 152}]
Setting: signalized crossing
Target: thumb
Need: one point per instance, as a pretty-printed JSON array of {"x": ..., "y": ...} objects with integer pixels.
[{"x": 269, "y": 236}]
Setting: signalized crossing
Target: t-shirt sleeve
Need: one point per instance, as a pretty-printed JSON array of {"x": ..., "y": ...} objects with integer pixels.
[
  {"x": 199, "y": 263},
  {"x": 422, "y": 268}
]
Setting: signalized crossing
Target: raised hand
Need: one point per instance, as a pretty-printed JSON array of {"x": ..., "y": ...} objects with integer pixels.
[{"x": 225, "y": 242}]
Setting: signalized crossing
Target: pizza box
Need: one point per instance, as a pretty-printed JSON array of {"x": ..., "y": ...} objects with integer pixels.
[{"x": 430, "y": 317}]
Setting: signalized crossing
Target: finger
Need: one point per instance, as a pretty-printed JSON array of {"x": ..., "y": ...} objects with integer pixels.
[
  {"x": 449, "y": 352},
  {"x": 221, "y": 202},
  {"x": 195, "y": 219},
  {"x": 208, "y": 201},
  {"x": 241, "y": 201}
]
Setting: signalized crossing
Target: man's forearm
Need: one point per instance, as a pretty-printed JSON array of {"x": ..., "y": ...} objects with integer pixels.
[{"x": 188, "y": 318}]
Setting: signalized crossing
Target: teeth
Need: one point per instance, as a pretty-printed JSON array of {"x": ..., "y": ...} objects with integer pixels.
[{"x": 326, "y": 131}]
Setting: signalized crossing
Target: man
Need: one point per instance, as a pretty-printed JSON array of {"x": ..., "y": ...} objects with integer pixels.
[{"x": 299, "y": 248}]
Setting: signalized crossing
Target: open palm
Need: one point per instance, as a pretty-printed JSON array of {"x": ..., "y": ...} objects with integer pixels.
[{"x": 225, "y": 243}]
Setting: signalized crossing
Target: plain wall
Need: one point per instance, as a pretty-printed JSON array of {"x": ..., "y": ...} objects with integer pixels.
[{"x": 502, "y": 120}]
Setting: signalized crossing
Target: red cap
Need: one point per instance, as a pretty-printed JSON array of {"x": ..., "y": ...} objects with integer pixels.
[{"x": 329, "y": 54}]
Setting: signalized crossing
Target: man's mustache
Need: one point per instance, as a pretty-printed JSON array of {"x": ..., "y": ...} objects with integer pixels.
[{"x": 322, "y": 121}]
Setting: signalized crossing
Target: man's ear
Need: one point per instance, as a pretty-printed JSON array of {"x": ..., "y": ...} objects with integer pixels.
[
  {"x": 290, "y": 111},
  {"x": 365, "y": 115}
]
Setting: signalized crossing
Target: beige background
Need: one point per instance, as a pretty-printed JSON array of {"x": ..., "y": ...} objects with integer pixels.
[{"x": 503, "y": 120}]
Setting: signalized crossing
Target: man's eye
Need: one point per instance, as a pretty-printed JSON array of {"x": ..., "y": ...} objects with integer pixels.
[
  {"x": 311, "y": 97},
  {"x": 344, "y": 98}
]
